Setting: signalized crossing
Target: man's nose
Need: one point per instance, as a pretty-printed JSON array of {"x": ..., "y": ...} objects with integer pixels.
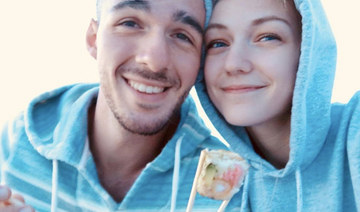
[{"x": 154, "y": 51}]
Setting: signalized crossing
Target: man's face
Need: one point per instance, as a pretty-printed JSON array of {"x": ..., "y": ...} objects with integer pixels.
[{"x": 148, "y": 55}]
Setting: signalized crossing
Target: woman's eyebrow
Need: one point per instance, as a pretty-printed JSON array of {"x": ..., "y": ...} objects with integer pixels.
[
  {"x": 270, "y": 18},
  {"x": 215, "y": 26}
]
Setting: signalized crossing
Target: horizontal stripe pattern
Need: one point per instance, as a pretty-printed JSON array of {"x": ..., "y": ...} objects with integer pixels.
[{"x": 28, "y": 171}]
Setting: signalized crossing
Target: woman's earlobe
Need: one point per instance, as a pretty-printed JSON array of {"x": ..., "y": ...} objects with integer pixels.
[{"x": 91, "y": 36}]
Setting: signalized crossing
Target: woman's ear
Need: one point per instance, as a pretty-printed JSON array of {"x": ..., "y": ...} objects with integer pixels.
[{"x": 91, "y": 35}]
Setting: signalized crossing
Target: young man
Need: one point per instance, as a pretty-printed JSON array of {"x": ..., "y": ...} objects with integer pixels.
[{"x": 129, "y": 143}]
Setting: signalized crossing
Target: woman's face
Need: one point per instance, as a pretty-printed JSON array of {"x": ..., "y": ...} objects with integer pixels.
[{"x": 253, "y": 49}]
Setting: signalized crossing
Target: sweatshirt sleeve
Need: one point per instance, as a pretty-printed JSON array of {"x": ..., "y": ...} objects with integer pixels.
[
  {"x": 10, "y": 133},
  {"x": 353, "y": 145},
  {"x": 353, "y": 149}
]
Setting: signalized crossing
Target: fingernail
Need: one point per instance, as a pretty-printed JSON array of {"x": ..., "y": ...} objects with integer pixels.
[
  {"x": 26, "y": 209},
  {"x": 4, "y": 193}
]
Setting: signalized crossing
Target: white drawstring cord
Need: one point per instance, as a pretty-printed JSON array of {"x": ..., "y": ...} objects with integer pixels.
[
  {"x": 54, "y": 184},
  {"x": 299, "y": 190},
  {"x": 175, "y": 180},
  {"x": 245, "y": 195}
]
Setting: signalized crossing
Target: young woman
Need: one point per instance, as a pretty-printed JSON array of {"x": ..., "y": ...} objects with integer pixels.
[{"x": 266, "y": 87}]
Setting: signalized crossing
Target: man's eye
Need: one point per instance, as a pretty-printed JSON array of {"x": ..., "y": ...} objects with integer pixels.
[
  {"x": 182, "y": 36},
  {"x": 216, "y": 44},
  {"x": 129, "y": 24}
]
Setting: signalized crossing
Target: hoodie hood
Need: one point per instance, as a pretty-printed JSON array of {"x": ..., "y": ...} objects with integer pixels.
[
  {"x": 58, "y": 116},
  {"x": 311, "y": 102}
]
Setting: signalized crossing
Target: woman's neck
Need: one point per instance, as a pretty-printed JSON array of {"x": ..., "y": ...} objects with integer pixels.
[{"x": 271, "y": 141}]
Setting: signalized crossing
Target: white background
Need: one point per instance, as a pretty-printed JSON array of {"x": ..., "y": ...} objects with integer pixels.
[{"x": 42, "y": 46}]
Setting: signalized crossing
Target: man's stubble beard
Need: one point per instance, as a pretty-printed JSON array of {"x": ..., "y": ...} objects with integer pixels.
[{"x": 136, "y": 126}]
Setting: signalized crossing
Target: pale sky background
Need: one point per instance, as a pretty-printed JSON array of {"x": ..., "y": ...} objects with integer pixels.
[{"x": 42, "y": 47}]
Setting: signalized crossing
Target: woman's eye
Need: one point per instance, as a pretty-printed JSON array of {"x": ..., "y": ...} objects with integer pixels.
[
  {"x": 216, "y": 44},
  {"x": 269, "y": 37}
]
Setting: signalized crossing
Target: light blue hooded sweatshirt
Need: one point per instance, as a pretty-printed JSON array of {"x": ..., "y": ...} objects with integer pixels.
[
  {"x": 323, "y": 171},
  {"x": 45, "y": 156}
]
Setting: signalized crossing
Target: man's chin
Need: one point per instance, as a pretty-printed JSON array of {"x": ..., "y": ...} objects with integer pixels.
[
  {"x": 150, "y": 122},
  {"x": 145, "y": 129}
]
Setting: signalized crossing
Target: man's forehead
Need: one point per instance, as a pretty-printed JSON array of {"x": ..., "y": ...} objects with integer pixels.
[
  {"x": 104, "y": 5},
  {"x": 186, "y": 11},
  {"x": 149, "y": 4},
  {"x": 136, "y": 4}
]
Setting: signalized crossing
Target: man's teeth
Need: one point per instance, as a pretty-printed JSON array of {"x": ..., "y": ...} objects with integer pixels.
[{"x": 145, "y": 88}]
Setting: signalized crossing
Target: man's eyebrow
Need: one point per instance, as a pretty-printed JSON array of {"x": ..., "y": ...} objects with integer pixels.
[
  {"x": 135, "y": 4},
  {"x": 190, "y": 20},
  {"x": 270, "y": 18}
]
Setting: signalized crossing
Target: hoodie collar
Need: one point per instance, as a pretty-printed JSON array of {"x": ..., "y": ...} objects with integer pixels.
[
  {"x": 56, "y": 136},
  {"x": 190, "y": 130}
]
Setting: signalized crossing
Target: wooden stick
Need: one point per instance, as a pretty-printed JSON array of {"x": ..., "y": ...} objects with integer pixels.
[
  {"x": 193, "y": 189},
  {"x": 223, "y": 205}
]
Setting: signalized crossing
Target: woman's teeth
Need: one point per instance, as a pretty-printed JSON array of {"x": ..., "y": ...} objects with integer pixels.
[{"x": 146, "y": 88}]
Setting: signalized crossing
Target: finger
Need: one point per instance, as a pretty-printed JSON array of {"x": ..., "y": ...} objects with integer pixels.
[
  {"x": 14, "y": 202},
  {"x": 18, "y": 197},
  {"x": 12, "y": 208},
  {"x": 27, "y": 209},
  {"x": 5, "y": 193}
]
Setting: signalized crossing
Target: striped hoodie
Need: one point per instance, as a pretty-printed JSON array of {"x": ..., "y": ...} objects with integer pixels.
[{"x": 45, "y": 156}]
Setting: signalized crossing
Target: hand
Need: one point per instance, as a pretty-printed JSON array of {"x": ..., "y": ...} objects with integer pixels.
[{"x": 12, "y": 203}]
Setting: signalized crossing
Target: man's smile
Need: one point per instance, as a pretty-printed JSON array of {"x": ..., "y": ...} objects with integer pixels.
[{"x": 143, "y": 88}]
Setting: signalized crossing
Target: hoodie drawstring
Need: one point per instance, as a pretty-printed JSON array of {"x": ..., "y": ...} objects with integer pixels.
[
  {"x": 54, "y": 184},
  {"x": 245, "y": 195},
  {"x": 175, "y": 180},
  {"x": 299, "y": 192}
]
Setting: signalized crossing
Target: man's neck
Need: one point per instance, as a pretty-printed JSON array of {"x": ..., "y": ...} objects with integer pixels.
[{"x": 120, "y": 155}]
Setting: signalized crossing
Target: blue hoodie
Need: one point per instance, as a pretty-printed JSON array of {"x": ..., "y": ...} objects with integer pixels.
[
  {"x": 45, "y": 156},
  {"x": 323, "y": 171}
]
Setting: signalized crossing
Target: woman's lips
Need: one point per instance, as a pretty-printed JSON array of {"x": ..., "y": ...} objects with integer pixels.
[{"x": 242, "y": 88}]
